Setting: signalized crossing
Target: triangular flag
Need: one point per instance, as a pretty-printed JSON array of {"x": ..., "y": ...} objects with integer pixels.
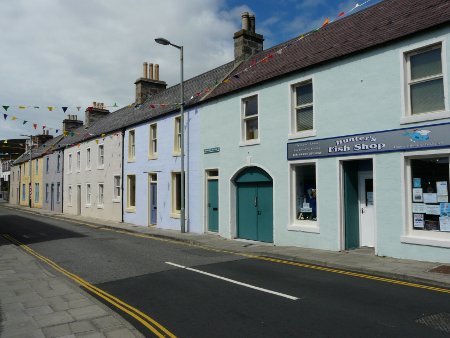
[
  {"x": 236, "y": 76},
  {"x": 5, "y": 141},
  {"x": 37, "y": 107},
  {"x": 226, "y": 81},
  {"x": 115, "y": 104},
  {"x": 326, "y": 22},
  {"x": 72, "y": 133},
  {"x": 78, "y": 145},
  {"x": 24, "y": 122},
  {"x": 5, "y": 107},
  {"x": 56, "y": 131},
  {"x": 103, "y": 135},
  {"x": 34, "y": 125},
  {"x": 13, "y": 118},
  {"x": 152, "y": 106},
  {"x": 341, "y": 14},
  {"x": 5, "y": 116},
  {"x": 50, "y": 108},
  {"x": 22, "y": 107},
  {"x": 65, "y": 133},
  {"x": 78, "y": 108},
  {"x": 96, "y": 141},
  {"x": 64, "y": 109}
]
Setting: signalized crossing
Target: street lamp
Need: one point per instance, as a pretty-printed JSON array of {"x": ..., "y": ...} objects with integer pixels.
[
  {"x": 29, "y": 171},
  {"x": 166, "y": 42}
]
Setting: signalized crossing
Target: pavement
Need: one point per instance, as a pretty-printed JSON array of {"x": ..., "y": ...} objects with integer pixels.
[{"x": 36, "y": 303}]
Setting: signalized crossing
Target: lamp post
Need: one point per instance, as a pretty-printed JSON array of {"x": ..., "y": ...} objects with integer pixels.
[
  {"x": 166, "y": 42},
  {"x": 29, "y": 171}
]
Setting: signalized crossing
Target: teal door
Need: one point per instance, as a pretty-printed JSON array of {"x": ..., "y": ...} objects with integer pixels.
[
  {"x": 351, "y": 208},
  {"x": 213, "y": 205},
  {"x": 254, "y": 213}
]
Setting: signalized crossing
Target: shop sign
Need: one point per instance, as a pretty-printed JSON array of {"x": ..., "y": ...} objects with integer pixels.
[
  {"x": 211, "y": 150},
  {"x": 405, "y": 139}
]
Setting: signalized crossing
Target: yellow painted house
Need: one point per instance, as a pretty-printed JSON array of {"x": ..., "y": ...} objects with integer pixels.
[{"x": 37, "y": 178}]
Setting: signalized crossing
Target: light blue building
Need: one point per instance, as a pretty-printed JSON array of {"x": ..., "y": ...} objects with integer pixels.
[{"x": 338, "y": 139}]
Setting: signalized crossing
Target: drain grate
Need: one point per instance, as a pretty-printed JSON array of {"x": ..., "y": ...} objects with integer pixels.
[
  {"x": 441, "y": 269},
  {"x": 438, "y": 321}
]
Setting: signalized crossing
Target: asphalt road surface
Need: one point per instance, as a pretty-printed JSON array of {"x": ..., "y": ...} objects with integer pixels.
[{"x": 194, "y": 292}]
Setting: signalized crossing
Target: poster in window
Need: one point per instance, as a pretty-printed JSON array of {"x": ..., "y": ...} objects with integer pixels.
[
  {"x": 418, "y": 221},
  {"x": 445, "y": 210},
  {"x": 442, "y": 198},
  {"x": 441, "y": 188},
  {"x": 417, "y": 182},
  {"x": 444, "y": 223},
  {"x": 430, "y": 198},
  {"x": 432, "y": 209},
  {"x": 417, "y": 195},
  {"x": 418, "y": 208}
]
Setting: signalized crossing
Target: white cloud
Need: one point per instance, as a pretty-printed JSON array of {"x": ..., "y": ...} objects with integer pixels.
[{"x": 70, "y": 53}]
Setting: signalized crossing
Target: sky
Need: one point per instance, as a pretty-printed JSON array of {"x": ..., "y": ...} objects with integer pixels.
[{"x": 64, "y": 53}]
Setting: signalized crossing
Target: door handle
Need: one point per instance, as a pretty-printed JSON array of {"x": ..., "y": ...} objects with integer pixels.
[
  {"x": 362, "y": 210},
  {"x": 215, "y": 209},
  {"x": 259, "y": 212}
]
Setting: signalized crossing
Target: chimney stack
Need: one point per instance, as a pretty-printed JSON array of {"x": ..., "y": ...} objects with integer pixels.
[
  {"x": 246, "y": 41},
  {"x": 94, "y": 113},
  {"x": 71, "y": 123},
  {"x": 39, "y": 140},
  {"x": 149, "y": 84}
]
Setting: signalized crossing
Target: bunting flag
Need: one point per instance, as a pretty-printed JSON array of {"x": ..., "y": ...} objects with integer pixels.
[
  {"x": 64, "y": 109},
  {"x": 65, "y": 133},
  {"x": 13, "y": 118},
  {"x": 5, "y": 108},
  {"x": 78, "y": 108},
  {"x": 24, "y": 122},
  {"x": 326, "y": 22},
  {"x": 23, "y": 107},
  {"x": 5, "y": 116},
  {"x": 50, "y": 108},
  {"x": 96, "y": 141}
]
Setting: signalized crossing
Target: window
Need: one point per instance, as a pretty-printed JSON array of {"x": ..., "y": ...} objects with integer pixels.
[
  {"x": 425, "y": 80},
  {"x": 46, "y": 192},
  {"x": 101, "y": 155},
  {"x": 58, "y": 163},
  {"x": 250, "y": 118},
  {"x": 36, "y": 192},
  {"x": 303, "y": 112},
  {"x": 100, "y": 194},
  {"x": 117, "y": 188},
  {"x": 176, "y": 193},
  {"x": 58, "y": 192},
  {"x": 153, "y": 146},
  {"x": 177, "y": 136},
  {"x": 24, "y": 191},
  {"x": 70, "y": 162},
  {"x": 304, "y": 188},
  {"x": 88, "y": 158},
  {"x": 131, "y": 145},
  {"x": 430, "y": 207},
  {"x": 88, "y": 194},
  {"x": 69, "y": 197},
  {"x": 131, "y": 191},
  {"x": 37, "y": 166},
  {"x": 47, "y": 164},
  {"x": 78, "y": 161}
]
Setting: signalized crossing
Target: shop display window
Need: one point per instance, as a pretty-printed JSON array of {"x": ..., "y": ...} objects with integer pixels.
[
  {"x": 306, "y": 192},
  {"x": 429, "y": 188}
]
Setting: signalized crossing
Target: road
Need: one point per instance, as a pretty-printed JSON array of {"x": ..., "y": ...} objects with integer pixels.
[{"x": 194, "y": 292}]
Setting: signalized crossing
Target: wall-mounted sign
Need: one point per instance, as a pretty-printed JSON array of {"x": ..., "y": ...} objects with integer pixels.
[
  {"x": 405, "y": 139},
  {"x": 211, "y": 150}
]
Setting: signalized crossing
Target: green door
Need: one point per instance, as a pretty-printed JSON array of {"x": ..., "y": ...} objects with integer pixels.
[
  {"x": 254, "y": 204},
  {"x": 213, "y": 205},
  {"x": 351, "y": 208}
]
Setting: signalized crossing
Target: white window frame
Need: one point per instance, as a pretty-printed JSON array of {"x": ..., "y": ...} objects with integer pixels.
[
  {"x": 101, "y": 156},
  {"x": 294, "y": 223},
  {"x": 131, "y": 145},
  {"x": 177, "y": 136},
  {"x": 36, "y": 192},
  {"x": 58, "y": 192},
  {"x": 101, "y": 195},
  {"x": 153, "y": 141},
  {"x": 88, "y": 195},
  {"x": 37, "y": 166},
  {"x": 174, "y": 212},
  {"x": 407, "y": 117},
  {"x": 78, "y": 159},
  {"x": 293, "y": 133},
  {"x": 131, "y": 208},
  {"x": 69, "y": 196},
  {"x": 88, "y": 158},
  {"x": 243, "y": 119},
  {"x": 410, "y": 235},
  {"x": 116, "y": 197}
]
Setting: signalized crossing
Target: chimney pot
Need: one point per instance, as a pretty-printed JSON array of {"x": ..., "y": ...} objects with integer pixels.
[
  {"x": 150, "y": 71},
  {"x": 245, "y": 21},
  {"x": 145, "y": 73},
  {"x": 156, "y": 72},
  {"x": 252, "y": 23}
]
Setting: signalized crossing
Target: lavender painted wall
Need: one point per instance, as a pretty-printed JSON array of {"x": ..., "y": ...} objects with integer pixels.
[{"x": 52, "y": 181}]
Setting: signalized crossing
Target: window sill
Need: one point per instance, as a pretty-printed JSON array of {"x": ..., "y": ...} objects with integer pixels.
[
  {"x": 116, "y": 200},
  {"x": 176, "y": 153},
  {"x": 249, "y": 143},
  {"x": 428, "y": 240},
  {"x": 311, "y": 227},
  {"x": 101, "y": 168},
  {"x": 302, "y": 134},
  {"x": 131, "y": 210},
  {"x": 152, "y": 157},
  {"x": 87, "y": 205},
  {"x": 425, "y": 117},
  {"x": 174, "y": 215},
  {"x": 101, "y": 207},
  {"x": 131, "y": 160}
]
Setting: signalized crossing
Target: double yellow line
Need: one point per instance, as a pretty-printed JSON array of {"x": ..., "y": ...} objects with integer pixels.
[{"x": 148, "y": 322}]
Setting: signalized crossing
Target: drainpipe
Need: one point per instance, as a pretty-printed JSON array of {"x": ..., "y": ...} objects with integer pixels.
[
  {"x": 123, "y": 170},
  {"x": 62, "y": 181}
]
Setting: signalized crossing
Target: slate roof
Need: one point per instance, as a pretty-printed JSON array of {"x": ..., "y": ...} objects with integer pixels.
[
  {"x": 131, "y": 115},
  {"x": 40, "y": 151},
  {"x": 378, "y": 25}
]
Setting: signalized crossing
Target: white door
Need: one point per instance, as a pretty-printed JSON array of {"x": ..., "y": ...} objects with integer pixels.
[{"x": 366, "y": 209}]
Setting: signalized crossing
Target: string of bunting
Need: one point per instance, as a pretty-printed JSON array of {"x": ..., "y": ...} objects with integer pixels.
[
  {"x": 50, "y": 108},
  {"x": 211, "y": 86}
]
